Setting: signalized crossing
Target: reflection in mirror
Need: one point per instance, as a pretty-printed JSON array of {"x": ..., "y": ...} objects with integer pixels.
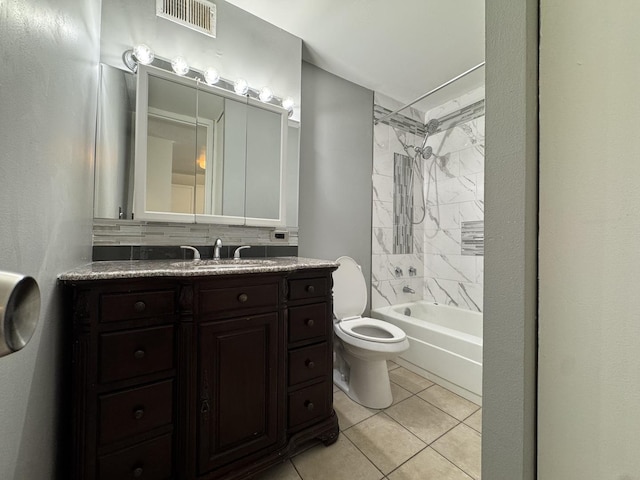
[
  {"x": 266, "y": 159},
  {"x": 113, "y": 194},
  {"x": 171, "y": 147},
  {"x": 221, "y": 167}
]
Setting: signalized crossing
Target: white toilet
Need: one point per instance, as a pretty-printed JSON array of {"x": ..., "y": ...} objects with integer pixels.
[{"x": 363, "y": 344}]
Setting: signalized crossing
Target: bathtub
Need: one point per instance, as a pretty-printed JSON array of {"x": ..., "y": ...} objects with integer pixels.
[{"x": 446, "y": 344}]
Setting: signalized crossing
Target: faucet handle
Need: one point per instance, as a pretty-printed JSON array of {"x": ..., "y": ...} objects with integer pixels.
[
  {"x": 412, "y": 271},
  {"x": 196, "y": 253},
  {"x": 398, "y": 272},
  {"x": 236, "y": 253}
]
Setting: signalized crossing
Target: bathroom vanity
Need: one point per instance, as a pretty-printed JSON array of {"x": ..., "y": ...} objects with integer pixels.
[{"x": 198, "y": 370}]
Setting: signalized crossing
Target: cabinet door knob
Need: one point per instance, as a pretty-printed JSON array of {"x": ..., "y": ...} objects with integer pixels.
[
  {"x": 309, "y": 404},
  {"x": 243, "y": 297},
  {"x": 139, "y": 306},
  {"x": 311, "y": 288},
  {"x": 138, "y": 413},
  {"x": 137, "y": 472},
  {"x": 309, "y": 322},
  {"x": 310, "y": 364},
  {"x": 138, "y": 354}
]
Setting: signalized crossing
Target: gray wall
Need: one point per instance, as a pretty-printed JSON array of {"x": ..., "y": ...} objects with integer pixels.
[
  {"x": 336, "y": 161},
  {"x": 510, "y": 298},
  {"x": 50, "y": 51}
]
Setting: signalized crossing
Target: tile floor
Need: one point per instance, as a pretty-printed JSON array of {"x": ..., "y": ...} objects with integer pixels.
[{"x": 428, "y": 433}]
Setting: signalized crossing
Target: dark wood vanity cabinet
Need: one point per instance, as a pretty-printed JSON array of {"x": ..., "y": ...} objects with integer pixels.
[{"x": 205, "y": 377}]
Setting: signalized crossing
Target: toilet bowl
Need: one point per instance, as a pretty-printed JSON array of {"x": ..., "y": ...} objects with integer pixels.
[{"x": 363, "y": 345}]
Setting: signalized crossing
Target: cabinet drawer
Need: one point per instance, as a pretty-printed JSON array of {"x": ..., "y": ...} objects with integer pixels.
[
  {"x": 150, "y": 460},
  {"x": 307, "y": 363},
  {"x": 307, "y": 322},
  {"x": 308, "y": 288},
  {"x": 135, "y": 411},
  {"x": 308, "y": 404},
  {"x": 233, "y": 298},
  {"x": 135, "y": 352},
  {"x": 128, "y": 306}
]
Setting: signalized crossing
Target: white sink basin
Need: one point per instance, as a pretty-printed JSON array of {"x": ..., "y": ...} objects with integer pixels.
[{"x": 225, "y": 263}]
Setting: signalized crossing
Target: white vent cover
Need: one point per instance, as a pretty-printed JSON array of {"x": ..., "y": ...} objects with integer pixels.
[{"x": 199, "y": 15}]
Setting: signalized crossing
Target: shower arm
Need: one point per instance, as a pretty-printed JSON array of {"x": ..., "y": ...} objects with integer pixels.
[{"x": 422, "y": 97}]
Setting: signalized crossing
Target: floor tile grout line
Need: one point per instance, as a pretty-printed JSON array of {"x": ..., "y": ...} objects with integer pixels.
[
  {"x": 422, "y": 450},
  {"x": 294, "y": 467},
  {"x": 452, "y": 463},
  {"x": 426, "y": 445},
  {"x": 364, "y": 454}
]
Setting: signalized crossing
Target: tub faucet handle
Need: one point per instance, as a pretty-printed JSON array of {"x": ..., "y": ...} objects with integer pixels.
[
  {"x": 408, "y": 289},
  {"x": 398, "y": 272},
  {"x": 412, "y": 271}
]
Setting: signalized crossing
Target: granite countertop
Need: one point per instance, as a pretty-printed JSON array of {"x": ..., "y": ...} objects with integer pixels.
[{"x": 189, "y": 268}]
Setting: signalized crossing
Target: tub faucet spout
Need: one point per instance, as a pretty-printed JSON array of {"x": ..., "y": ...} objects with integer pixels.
[{"x": 408, "y": 289}]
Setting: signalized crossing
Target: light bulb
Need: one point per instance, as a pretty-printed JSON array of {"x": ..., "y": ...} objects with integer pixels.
[
  {"x": 211, "y": 76},
  {"x": 288, "y": 103},
  {"x": 241, "y": 87},
  {"x": 266, "y": 94},
  {"x": 143, "y": 54},
  {"x": 180, "y": 66}
]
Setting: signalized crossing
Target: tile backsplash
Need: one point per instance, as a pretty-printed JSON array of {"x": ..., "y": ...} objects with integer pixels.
[{"x": 141, "y": 239}]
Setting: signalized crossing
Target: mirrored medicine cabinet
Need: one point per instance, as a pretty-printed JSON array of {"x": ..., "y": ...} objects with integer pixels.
[{"x": 171, "y": 148}]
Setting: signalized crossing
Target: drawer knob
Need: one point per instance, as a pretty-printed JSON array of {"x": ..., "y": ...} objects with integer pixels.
[
  {"x": 137, "y": 472},
  {"x": 310, "y": 364},
  {"x": 138, "y": 354},
  {"x": 243, "y": 297},
  {"x": 309, "y": 322},
  {"x": 139, "y": 306},
  {"x": 138, "y": 413},
  {"x": 309, "y": 404},
  {"x": 311, "y": 289}
]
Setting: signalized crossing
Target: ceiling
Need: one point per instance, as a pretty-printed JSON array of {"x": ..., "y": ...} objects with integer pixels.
[{"x": 402, "y": 49}]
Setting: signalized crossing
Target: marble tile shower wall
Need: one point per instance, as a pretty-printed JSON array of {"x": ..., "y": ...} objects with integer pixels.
[
  {"x": 455, "y": 195},
  {"x": 390, "y": 272},
  {"x": 453, "y": 271}
]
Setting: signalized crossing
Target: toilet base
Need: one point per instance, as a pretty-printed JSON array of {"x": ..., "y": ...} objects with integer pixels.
[{"x": 368, "y": 383}]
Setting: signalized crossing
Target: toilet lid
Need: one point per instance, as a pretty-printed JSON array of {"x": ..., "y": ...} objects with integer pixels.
[
  {"x": 349, "y": 289},
  {"x": 373, "y": 330}
]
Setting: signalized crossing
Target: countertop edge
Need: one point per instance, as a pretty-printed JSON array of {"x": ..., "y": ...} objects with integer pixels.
[{"x": 114, "y": 270}]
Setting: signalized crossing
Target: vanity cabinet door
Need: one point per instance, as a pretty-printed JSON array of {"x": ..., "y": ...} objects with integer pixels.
[{"x": 238, "y": 398}]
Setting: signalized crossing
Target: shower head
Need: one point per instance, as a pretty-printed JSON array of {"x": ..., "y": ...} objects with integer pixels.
[
  {"x": 427, "y": 152},
  {"x": 432, "y": 126}
]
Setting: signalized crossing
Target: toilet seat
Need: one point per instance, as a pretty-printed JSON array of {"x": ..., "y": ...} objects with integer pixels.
[
  {"x": 365, "y": 328},
  {"x": 349, "y": 302}
]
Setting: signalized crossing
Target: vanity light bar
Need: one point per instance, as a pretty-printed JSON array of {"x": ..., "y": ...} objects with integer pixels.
[{"x": 144, "y": 55}]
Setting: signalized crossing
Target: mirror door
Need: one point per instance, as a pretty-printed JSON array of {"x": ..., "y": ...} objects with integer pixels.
[{"x": 168, "y": 137}]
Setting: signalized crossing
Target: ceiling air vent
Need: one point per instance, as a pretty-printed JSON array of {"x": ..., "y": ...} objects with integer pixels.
[{"x": 199, "y": 15}]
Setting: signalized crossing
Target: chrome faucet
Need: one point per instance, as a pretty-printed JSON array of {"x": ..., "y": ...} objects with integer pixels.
[
  {"x": 196, "y": 253},
  {"x": 236, "y": 253},
  {"x": 408, "y": 289},
  {"x": 217, "y": 245}
]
